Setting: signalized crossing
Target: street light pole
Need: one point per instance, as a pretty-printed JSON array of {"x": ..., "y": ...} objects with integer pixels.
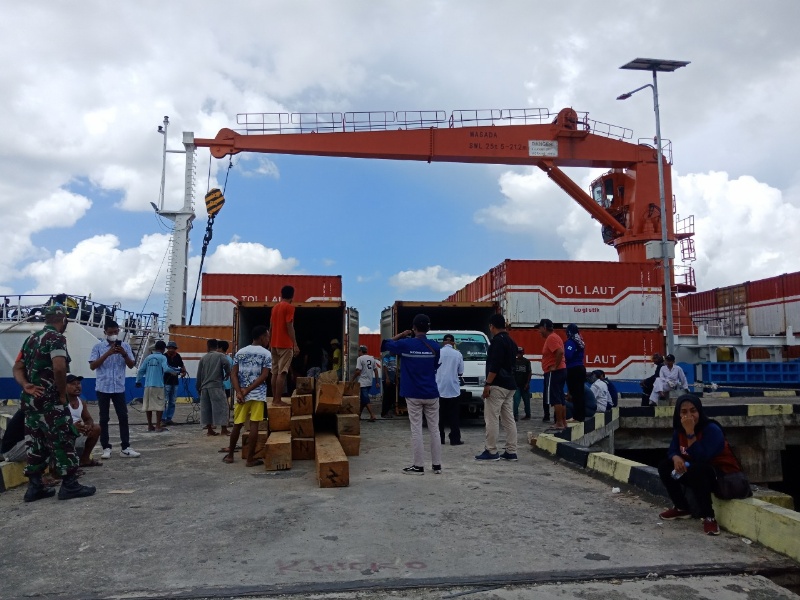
[{"x": 655, "y": 65}]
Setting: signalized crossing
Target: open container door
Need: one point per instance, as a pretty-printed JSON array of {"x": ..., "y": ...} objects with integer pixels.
[{"x": 351, "y": 344}]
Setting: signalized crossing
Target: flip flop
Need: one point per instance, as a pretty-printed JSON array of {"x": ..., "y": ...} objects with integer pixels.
[
  {"x": 254, "y": 463},
  {"x": 228, "y": 449},
  {"x": 212, "y": 433},
  {"x": 93, "y": 463},
  {"x": 227, "y": 459}
]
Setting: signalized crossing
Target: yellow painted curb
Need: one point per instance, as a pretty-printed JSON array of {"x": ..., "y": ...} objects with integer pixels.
[
  {"x": 767, "y": 410},
  {"x": 548, "y": 443},
  {"x": 613, "y": 466},
  {"x": 4, "y": 419},
  {"x": 13, "y": 474},
  {"x": 576, "y": 430},
  {"x": 779, "y": 394},
  {"x": 664, "y": 411},
  {"x": 722, "y": 394},
  {"x": 773, "y": 497},
  {"x": 536, "y": 395},
  {"x": 615, "y": 413},
  {"x": 183, "y": 400},
  {"x": 774, "y": 527},
  {"x": 599, "y": 421}
]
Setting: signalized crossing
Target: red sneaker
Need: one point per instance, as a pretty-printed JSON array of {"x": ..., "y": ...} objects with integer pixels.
[
  {"x": 710, "y": 526},
  {"x": 674, "y": 513}
]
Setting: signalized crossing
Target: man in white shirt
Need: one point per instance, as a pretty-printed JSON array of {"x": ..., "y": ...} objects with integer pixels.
[
  {"x": 671, "y": 377},
  {"x": 451, "y": 367},
  {"x": 88, "y": 429},
  {"x": 249, "y": 374},
  {"x": 366, "y": 369},
  {"x": 600, "y": 391}
]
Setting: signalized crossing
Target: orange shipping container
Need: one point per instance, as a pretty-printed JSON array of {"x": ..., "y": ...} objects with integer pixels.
[
  {"x": 622, "y": 353},
  {"x": 191, "y": 339},
  {"x": 221, "y": 292},
  {"x": 372, "y": 341}
]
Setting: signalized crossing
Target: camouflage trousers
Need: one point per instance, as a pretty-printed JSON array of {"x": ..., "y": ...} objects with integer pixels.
[{"x": 51, "y": 437}]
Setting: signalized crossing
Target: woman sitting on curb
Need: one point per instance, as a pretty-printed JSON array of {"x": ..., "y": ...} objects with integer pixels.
[{"x": 698, "y": 456}]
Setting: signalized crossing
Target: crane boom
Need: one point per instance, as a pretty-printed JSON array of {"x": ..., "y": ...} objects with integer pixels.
[{"x": 626, "y": 203}]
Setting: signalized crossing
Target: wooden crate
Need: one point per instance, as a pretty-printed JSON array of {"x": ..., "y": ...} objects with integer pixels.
[
  {"x": 260, "y": 443},
  {"x": 351, "y": 444},
  {"x": 348, "y": 425},
  {"x": 302, "y": 426},
  {"x": 351, "y": 388},
  {"x": 302, "y": 448},
  {"x": 329, "y": 397},
  {"x": 278, "y": 451},
  {"x": 333, "y": 469},
  {"x": 351, "y": 405},
  {"x": 302, "y": 404},
  {"x": 279, "y": 417},
  {"x": 304, "y": 385}
]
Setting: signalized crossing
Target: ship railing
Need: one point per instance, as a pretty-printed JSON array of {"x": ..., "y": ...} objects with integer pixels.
[{"x": 29, "y": 308}]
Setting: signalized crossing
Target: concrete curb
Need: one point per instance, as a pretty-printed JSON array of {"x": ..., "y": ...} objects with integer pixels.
[
  {"x": 737, "y": 410},
  {"x": 768, "y": 522}
]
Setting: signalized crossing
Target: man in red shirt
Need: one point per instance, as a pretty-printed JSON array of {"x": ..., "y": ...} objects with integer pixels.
[
  {"x": 554, "y": 368},
  {"x": 283, "y": 342}
]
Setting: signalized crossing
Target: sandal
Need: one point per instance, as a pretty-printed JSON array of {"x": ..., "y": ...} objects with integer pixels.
[
  {"x": 91, "y": 463},
  {"x": 228, "y": 459},
  {"x": 228, "y": 449},
  {"x": 254, "y": 463}
]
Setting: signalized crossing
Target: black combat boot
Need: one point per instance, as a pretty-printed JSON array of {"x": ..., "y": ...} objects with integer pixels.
[
  {"x": 37, "y": 490},
  {"x": 70, "y": 488}
]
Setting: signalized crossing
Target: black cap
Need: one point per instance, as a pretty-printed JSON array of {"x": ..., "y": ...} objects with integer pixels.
[
  {"x": 670, "y": 357},
  {"x": 171, "y": 344},
  {"x": 546, "y": 323},
  {"x": 71, "y": 378},
  {"x": 520, "y": 350},
  {"x": 448, "y": 337}
]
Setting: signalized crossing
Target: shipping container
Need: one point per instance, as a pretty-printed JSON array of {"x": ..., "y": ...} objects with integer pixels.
[
  {"x": 443, "y": 315},
  {"x": 767, "y": 307},
  {"x": 372, "y": 341},
  {"x": 191, "y": 339},
  {"x": 591, "y": 294},
  {"x": 314, "y": 322},
  {"x": 624, "y": 355},
  {"x": 221, "y": 292}
]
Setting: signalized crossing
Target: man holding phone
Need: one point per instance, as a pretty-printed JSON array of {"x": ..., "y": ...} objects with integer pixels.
[{"x": 108, "y": 360}]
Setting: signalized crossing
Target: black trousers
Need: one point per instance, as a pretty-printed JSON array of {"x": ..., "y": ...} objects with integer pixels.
[
  {"x": 449, "y": 415},
  {"x": 389, "y": 392},
  {"x": 701, "y": 478},
  {"x": 576, "y": 379},
  {"x": 104, "y": 401}
]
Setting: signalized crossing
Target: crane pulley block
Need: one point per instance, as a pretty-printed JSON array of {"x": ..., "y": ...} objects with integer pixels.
[{"x": 214, "y": 201}]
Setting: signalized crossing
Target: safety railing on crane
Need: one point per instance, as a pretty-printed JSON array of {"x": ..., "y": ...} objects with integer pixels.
[
  {"x": 333, "y": 122},
  {"x": 666, "y": 146}
]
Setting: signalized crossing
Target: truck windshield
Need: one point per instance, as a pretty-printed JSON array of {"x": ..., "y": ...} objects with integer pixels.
[{"x": 471, "y": 346}]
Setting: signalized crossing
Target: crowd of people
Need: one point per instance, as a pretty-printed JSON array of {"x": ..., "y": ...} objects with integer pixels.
[{"x": 54, "y": 428}]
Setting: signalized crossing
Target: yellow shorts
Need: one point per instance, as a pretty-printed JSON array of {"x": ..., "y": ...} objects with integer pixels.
[{"x": 252, "y": 410}]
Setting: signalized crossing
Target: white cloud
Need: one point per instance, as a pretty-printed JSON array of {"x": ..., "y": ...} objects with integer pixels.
[
  {"x": 98, "y": 266},
  {"x": 367, "y": 330},
  {"x": 743, "y": 228},
  {"x": 436, "y": 278},
  {"x": 264, "y": 167}
]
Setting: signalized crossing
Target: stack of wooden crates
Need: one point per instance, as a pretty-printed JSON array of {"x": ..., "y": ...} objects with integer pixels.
[{"x": 322, "y": 424}]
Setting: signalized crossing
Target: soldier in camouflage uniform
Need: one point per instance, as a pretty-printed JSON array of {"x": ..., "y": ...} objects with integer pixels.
[{"x": 42, "y": 372}]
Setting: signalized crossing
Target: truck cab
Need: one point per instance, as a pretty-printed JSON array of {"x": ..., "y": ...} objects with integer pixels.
[{"x": 474, "y": 347}]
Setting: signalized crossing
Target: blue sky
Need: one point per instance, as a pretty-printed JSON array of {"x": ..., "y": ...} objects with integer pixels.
[{"x": 82, "y": 159}]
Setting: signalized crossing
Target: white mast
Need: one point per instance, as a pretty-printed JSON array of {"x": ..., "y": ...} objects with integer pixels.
[{"x": 177, "y": 275}]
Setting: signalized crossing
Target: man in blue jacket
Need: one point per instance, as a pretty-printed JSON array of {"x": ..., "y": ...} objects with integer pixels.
[{"x": 419, "y": 358}]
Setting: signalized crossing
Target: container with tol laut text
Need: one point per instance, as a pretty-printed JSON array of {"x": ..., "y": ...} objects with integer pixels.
[
  {"x": 222, "y": 291},
  {"x": 594, "y": 294}
]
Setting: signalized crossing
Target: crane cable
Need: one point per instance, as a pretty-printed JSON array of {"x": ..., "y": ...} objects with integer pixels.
[{"x": 214, "y": 201}]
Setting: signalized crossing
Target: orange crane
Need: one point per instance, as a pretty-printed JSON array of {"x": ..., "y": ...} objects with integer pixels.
[{"x": 625, "y": 200}]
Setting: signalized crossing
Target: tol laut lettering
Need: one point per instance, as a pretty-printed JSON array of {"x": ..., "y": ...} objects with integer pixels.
[{"x": 587, "y": 290}]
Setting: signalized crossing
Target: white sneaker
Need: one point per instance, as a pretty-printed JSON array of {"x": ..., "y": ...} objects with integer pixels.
[
  {"x": 130, "y": 453},
  {"x": 106, "y": 454}
]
